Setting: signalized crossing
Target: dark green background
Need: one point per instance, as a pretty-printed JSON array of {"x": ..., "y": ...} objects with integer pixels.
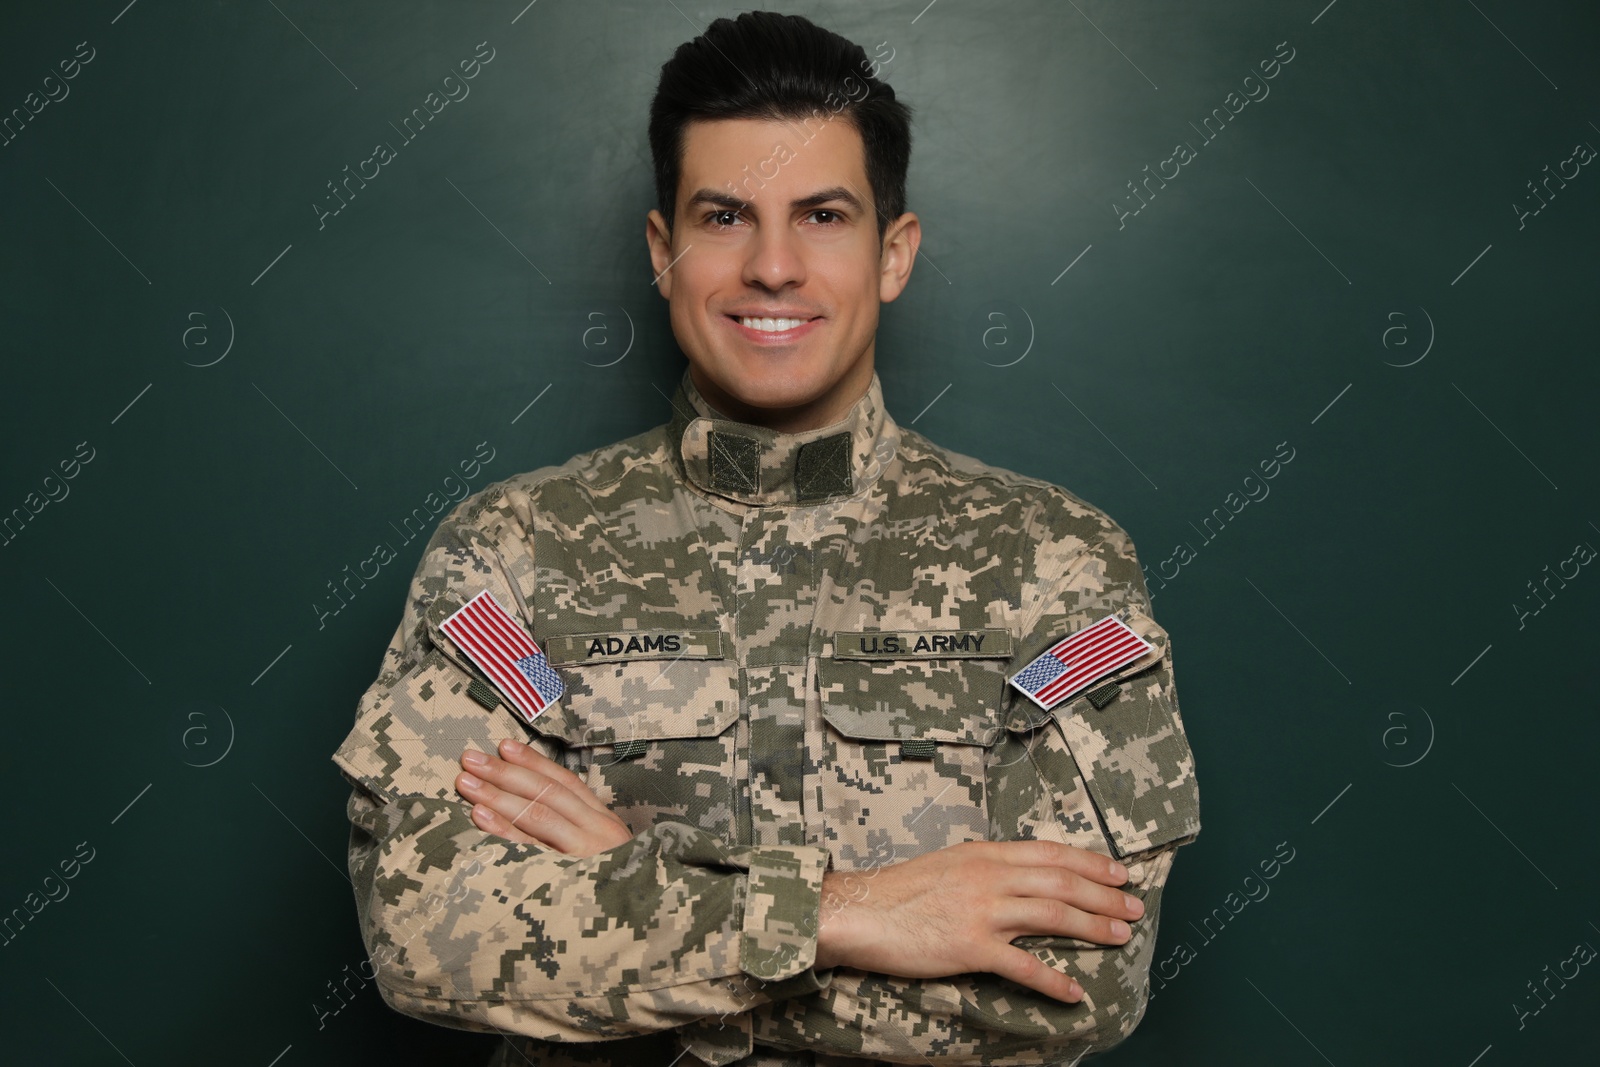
[{"x": 1324, "y": 636}]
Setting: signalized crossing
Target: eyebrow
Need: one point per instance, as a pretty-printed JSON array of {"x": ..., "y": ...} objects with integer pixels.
[{"x": 727, "y": 202}]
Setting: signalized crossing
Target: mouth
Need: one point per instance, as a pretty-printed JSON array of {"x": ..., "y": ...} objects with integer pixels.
[{"x": 775, "y": 331}]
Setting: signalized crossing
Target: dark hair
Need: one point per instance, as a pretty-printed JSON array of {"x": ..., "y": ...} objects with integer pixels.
[{"x": 771, "y": 66}]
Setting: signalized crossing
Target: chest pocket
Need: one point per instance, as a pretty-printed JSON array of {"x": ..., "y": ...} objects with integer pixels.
[
  {"x": 909, "y": 723},
  {"x": 645, "y": 721},
  {"x": 1109, "y": 768}
]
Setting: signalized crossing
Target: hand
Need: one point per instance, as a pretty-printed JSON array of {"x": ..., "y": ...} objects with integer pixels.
[
  {"x": 956, "y": 910},
  {"x": 528, "y": 798}
]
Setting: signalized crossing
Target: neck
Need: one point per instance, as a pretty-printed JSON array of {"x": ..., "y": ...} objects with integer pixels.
[{"x": 741, "y": 464}]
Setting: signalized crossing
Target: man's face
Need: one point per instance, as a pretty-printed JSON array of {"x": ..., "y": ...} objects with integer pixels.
[{"x": 771, "y": 225}]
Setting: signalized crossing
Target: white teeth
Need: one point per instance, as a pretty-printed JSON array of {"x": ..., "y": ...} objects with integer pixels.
[{"x": 772, "y": 325}]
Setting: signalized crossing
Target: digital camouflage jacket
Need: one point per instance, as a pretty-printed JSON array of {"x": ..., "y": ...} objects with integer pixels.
[{"x": 782, "y": 652}]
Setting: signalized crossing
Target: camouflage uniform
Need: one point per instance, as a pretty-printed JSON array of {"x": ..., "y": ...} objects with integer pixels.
[{"x": 718, "y": 599}]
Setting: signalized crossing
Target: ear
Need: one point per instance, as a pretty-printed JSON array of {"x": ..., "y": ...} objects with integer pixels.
[
  {"x": 900, "y": 242},
  {"x": 659, "y": 238}
]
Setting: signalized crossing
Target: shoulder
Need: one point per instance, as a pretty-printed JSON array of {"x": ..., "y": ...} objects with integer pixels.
[
  {"x": 1054, "y": 515},
  {"x": 577, "y": 487}
]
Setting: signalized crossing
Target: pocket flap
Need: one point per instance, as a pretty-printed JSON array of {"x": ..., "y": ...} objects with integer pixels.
[
  {"x": 896, "y": 698},
  {"x": 642, "y": 699},
  {"x": 409, "y": 742},
  {"x": 1132, "y": 752}
]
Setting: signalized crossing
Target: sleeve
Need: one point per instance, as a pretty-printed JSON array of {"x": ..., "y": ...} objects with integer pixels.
[
  {"x": 1118, "y": 779},
  {"x": 468, "y": 930}
]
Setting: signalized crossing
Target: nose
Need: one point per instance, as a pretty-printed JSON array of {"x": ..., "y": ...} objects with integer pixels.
[{"x": 774, "y": 259}]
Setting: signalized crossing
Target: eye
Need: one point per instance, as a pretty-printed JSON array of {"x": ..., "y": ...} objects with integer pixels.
[
  {"x": 715, "y": 218},
  {"x": 828, "y": 211}
]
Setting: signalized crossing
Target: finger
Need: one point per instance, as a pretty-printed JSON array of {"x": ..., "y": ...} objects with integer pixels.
[
  {"x": 490, "y": 821},
  {"x": 529, "y": 785},
  {"x": 1026, "y": 969},
  {"x": 527, "y": 756},
  {"x": 528, "y": 816},
  {"x": 1093, "y": 865},
  {"x": 1037, "y": 915},
  {"x": 1056, "y": 883},
  {"x": 545, "y": 808}
]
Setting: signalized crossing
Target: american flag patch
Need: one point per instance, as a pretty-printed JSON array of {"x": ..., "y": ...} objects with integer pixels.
[
  {"x": 1078, "y": 659},
  {"x": 499, "y": 646}
]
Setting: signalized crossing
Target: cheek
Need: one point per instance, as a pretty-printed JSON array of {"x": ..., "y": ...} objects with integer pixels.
[
  {"x": 846, "y": 282},
  {"x": 690, "y": 317},
  {"x": 698, "y": 287},
  {"x": 865, "y": 303}
]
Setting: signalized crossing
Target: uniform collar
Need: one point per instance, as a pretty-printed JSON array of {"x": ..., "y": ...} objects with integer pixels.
[{"x": 758, "y": 465}]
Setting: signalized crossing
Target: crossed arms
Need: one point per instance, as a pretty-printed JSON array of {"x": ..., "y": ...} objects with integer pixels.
[{"x": 538, "y": 913}]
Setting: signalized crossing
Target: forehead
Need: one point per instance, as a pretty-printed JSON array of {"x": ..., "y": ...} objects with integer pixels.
[{"x": 764, "y": 156}]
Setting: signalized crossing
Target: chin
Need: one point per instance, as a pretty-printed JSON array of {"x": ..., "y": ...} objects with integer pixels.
[{"x": 773, "y": 382}]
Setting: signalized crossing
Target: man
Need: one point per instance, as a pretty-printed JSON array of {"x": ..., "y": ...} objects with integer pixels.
[{"x": 765, "y": 787}]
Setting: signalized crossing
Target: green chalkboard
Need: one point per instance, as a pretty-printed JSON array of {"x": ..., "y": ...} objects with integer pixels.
[{"x": 1149, "y": 272}]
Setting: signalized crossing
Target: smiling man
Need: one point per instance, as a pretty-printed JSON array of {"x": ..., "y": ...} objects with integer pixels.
[{"x": 786, "y": 736}]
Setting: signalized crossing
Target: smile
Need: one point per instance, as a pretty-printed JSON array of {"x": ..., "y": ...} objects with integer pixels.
[{"x": 773, "y": 331}]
